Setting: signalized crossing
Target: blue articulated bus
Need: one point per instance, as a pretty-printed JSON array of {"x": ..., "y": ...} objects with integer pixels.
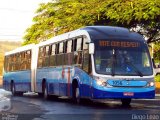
[{"x": 95, "y": 62}]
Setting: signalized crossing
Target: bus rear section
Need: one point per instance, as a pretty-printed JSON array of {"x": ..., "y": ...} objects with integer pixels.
[{"x": 18, "y": 71}]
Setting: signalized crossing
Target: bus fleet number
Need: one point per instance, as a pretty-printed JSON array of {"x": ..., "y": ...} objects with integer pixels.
[{"x": 117, "y": 83}]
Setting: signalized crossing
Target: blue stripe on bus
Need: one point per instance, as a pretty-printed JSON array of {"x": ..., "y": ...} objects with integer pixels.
[
  {"x": 125, "y": 89},
  {"x": 104, "y": 92},
  {"x": 22, "y": 80},
  {"x": 19, "y": 86},
  {"x": 99, "y": 94}
]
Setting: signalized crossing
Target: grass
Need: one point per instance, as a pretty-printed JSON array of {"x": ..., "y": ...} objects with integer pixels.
[
  {"x": 157, "y": 78},
  {"x": 157, "y": 83}
]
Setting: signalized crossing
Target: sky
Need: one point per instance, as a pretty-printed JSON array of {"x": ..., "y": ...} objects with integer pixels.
[{"x": 15, "y": 17}]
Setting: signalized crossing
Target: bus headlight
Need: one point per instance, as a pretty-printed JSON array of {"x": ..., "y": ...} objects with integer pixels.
[
  {"x": 100, "y": 81},
  {"x": 150, "y": 84}
]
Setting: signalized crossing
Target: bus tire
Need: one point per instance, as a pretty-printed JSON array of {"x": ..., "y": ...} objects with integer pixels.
[
  {"x": 45, "y": 93},
  {"x": 76, "y": 95},
  {"x": 126, "y": 101},
  {"x": 19, "y": 93},
  {"x": 13, "y": 89},
  {"x": 40, "y": 94}
]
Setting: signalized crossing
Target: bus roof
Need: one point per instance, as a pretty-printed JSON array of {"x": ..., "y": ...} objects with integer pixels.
[
  {"x": 111, "y": 32},
  {"x": 20, "y": 49},
  {"x": 65, "y": 36},
  {"x": 96, "y": 32}
]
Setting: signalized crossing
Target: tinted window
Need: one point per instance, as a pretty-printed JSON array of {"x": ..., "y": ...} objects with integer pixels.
[
  {"x": 53, "y": 49},
  {"x": 60, "y": 48},
  {"x": 79, "y": 44},
  {"x": 85, "y": 45},
  {"x": 47, "y": 51},
  {"x": 69, "y": 46},
  {"x": 122, "y": 58}
]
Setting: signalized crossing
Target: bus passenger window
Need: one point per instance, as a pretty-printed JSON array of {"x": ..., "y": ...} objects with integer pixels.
[
  {"x": 22, "y": 64},
  {"x": 46, "y": 58},
  {"x": 6, "y": 64},
  {"x": 61, "y": 48},
  {"x": 28, "y": 53},
  {"x": 65, "y": 47},
  {"x": 87, "y": 62},
  {"x": 28, "y": 56},
  {"x": 74, "y": 45},
  {"x": 47, "y": 51},
  {"x": 57, "y": 48},
  {"x": 53, "y": 49},
  {"x": 53, "y": 56},
  {"x": 10, "y": 60},
  {"x": 79, "y": 44},
  {"x": 78, "y": 53},
  {"x": 85, "y": 46},
  {"x": 43, "y": 52},
  {"x": 69, "y": 46},
  {"x": 16, "y": 65},
  {"x": 40, "y": 52}
]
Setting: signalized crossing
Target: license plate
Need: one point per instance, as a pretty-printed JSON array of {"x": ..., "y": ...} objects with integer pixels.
[{"x": 128, "y": 94}]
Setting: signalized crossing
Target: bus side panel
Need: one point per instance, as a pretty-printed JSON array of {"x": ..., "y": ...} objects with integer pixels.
[
  {"x": 42, "y": 74},
  {"x": 54, "y": 75},
  {"x": 59, "y": 81},
  {"x": 6, "y": 82},
  {"x": 63, "y": 82},
  {"x": 21, "y": 79},
  {"x": 85, "y": 83}
]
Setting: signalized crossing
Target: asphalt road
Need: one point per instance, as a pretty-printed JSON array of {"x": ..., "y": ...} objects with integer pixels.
[{"x": 32, "y": 107}]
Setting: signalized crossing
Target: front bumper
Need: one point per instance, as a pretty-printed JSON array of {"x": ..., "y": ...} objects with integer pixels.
[{"x": 102, "y": 94}]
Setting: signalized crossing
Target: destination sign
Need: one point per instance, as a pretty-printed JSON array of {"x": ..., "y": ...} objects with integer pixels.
[{"x": 124, "y": 44}]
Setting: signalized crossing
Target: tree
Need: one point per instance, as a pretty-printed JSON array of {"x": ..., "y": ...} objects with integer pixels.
[
  {"x": 156, "y": 54},
  {"x": 61, "y": 16}
]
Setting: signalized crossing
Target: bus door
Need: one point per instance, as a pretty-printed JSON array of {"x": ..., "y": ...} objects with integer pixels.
[{"x": 86, "y": 89}]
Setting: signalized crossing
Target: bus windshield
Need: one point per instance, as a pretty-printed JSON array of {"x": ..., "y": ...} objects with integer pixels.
[{"x": 122, "y": 58}]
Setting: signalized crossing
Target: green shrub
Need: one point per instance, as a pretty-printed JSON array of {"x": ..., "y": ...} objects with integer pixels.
[{"x": 157, "y": 78}]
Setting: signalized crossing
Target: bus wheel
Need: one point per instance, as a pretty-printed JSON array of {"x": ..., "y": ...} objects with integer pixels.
[
  {"x": 13, "y": 89},
  {"x": 76, "y": 95},
  {"x": 19, "y": 93},
  {"x": 126, "y": 101},
  {"x": 14, "y": 93},
  {"x": 40, "y": 94},
  {"x": 45, "y": 93}
]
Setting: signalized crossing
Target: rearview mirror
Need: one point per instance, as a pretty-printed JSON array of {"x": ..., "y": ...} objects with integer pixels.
[{"x": 91, "y": 48}]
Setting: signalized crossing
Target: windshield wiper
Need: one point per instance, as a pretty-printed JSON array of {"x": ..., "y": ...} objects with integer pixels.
[{"x": 135, "y": 68}]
